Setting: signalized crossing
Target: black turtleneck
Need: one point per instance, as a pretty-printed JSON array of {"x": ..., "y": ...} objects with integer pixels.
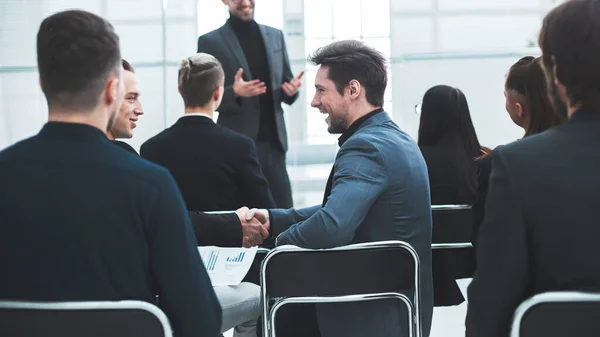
[{"x": 253, "y": 45}]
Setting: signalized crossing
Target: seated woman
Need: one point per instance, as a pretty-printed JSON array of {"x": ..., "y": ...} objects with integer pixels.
[
  {"x": 529, "y": 106},
  {"x": 450, "y": 146}
]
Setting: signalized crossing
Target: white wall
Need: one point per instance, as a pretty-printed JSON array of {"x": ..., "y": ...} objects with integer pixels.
[{"x": 153, "y": 51}]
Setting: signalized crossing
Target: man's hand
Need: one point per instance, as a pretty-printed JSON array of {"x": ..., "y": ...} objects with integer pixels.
[
  {"x": 253, "y": 231},
  {"x": 243, "y": 88},
  {"x": 291, "y": 88}
]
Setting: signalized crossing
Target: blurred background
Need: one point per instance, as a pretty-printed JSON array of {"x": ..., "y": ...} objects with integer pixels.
[{"x": 468, "y": 44}]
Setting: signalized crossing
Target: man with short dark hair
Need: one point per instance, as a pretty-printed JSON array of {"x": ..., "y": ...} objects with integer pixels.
[
  {"x": 541, "y": 228},
  {"x": 215, "y": 168},
  {"x": 378, "y": 188},
  {"x": 82, "y": 220}
]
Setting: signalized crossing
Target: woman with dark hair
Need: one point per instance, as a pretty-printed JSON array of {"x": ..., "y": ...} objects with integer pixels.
[
  {"x": 450, "y": 146},
  {"x": 529, "y": 106}
]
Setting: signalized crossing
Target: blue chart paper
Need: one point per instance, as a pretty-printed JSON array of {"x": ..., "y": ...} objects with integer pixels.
[
  {"x": 236, "y": 258},
  {"x": 227, "y": 266}
]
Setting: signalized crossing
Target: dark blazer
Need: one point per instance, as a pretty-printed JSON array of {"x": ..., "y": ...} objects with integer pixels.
[
  {"x": 223, "y": 230},
  {"x": 215, "y": 168},
  {"x": 380, "y": 191},
  {"x": 242, "y": 114},
  {"x": 449, "y": 187},
  {"x": 82, "y": 220},
  {"x": 540, "y": 231},
  {"x": 124, "y": 146},
  {"x": 484, "y": 169}
]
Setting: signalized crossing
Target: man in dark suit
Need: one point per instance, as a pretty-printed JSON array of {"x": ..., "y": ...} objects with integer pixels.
[
  {"x": 258, "y": 78},
  {"x": 224, "y": 230},
  {"x": 378, "y": 189},
  {"x": 215, "y": 168},
  {"x": 82, "y": 220},
  {"x": 540, "y": 229}
]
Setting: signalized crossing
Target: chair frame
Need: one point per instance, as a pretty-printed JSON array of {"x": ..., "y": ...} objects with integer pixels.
[
  {"x": 414, "y": 311},
  {"x": 457, "y": 245},
  {"x": 94, "y": 305},
  {"x": 548, "y": 297}
]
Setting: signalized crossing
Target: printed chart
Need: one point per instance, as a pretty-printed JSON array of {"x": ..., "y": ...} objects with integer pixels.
[{"x": 227, "y": 266}]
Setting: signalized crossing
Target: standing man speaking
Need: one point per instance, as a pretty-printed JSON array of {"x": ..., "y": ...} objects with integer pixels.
[{"x": 258, "y": 78}]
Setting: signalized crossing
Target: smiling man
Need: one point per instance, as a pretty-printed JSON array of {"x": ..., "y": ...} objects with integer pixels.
[
  {"x": 378, "y": 189},
  {"x": 129, "y": 112}
]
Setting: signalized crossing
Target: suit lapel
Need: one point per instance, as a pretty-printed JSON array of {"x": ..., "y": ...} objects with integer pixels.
[
  {"x": 266, "y": 35},
  {"x": 234, "y": 45}
]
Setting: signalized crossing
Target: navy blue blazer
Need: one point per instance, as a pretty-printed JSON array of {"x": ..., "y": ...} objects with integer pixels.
[
  {"x": 84, "y": 220},
  {"x": 380, "y": 192}
]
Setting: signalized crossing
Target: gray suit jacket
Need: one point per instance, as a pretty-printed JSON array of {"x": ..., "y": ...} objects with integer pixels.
[
  {"x": 243, "y": 114},
  {"x": 380, "y": 192}
]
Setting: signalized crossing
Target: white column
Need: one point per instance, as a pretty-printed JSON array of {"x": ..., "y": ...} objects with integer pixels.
[
  {"x": 293, "y": 29},
  {"x": 413, "y": 30}
]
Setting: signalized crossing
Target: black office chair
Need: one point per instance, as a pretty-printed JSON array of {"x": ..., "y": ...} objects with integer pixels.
[
  {"x": 253, "y": 275},
  {"x": 555, "y": 314},
  {"x": 77, "y": 319},
  {"x": 326, "y": 276},
  {"x": 453, "y": 256}
]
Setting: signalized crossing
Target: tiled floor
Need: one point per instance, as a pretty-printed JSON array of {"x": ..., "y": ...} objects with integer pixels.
[{"x": 447, "y": 322}]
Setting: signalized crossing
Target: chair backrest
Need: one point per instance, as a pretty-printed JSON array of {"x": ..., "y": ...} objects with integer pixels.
[
  {"x": 367, "y": 268},
  {"x": 451, "y": 224},
  {"x": 77, "y": 319},
  {"x": 558, "y": 314},
  {"x": 253, "y": 275}
]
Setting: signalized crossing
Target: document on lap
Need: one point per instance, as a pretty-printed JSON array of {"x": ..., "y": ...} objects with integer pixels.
[{"x": 227, "y": 266}]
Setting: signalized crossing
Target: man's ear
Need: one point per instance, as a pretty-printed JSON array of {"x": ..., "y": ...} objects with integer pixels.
[
  {"x": 354, "y": 89},
  {"x": 111, "y": 90},
  {"x": 520, "y": 111},
  {"x": 555, "y": 72},
  {"x": 217, "y": 94}
]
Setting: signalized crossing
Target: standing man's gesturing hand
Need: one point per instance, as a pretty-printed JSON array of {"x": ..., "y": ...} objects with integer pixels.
[
  {"x": 243, "y": 88},
  {"x": 291, "y": 88}
]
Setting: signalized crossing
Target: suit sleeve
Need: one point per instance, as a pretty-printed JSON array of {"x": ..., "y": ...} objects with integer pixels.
[
  {"x": 184, "y": 288},
  {"x": 287, "y": 73},
  {"x": 483, "y": 179},
  {"x": 281, "y": 219},
  {"x": 359, "y": 179},
  {"x": 223, "y": 230},
  {"x": 502, "y": 279},
  {"x": 230, "y": 103},
  {"x": 254, "y": 190}
]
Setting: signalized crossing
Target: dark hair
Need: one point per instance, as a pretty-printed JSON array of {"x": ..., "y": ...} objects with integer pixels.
[
  {"x": 570, "y": 40},
  {"x": 199, "y": 76},
  {"x": 527, "y": 78},
  {"x": 445, "y": 124},
  {"x": 353, "y": 60},
  {"x": 127, "y": 66},
  {"x": 77, "y": 51},
  {"x": 445, "y": 117}
]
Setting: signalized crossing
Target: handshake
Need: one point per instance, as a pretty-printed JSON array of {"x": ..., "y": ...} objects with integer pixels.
[{"x": 255, "y": 226}]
